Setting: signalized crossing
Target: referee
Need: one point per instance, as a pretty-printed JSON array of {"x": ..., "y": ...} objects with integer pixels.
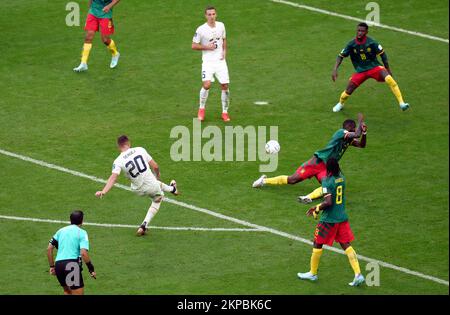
[{"x": 72, "y": 244}]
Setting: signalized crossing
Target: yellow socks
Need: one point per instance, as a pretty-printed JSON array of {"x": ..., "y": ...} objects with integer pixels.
[
  {"x": 112, "y": 48},
  {"x": 351, "y": 254},
  {"x": 344, "y": 97},
  {"x": 85, "y": 53},
  {"x": 317, "y": 193},
  {"x": 279, "y": 180},
  {"x": 395, "y": 89},
  {"x": 315, "y": 260}
]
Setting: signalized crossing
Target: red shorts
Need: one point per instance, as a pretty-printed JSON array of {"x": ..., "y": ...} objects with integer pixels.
[
  {"x": 312, "y": 168},
  {"x": 94, "y": 23},
  {"x": 327, "y": 233},
  {"x": 374, "y": 73}
]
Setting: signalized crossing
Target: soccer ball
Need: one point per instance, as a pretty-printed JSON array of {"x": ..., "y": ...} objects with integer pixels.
[{"x": 272, "y": 147}]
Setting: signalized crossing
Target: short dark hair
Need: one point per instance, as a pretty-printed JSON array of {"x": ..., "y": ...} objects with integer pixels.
[
  {"x": 76, "y": 217},
  {"x": 363, "y": 24},
  {"x": 348, "y": 122},
  {"x": 210, "y": 7},
  {"x": 122, "y": 140},
  {"x": 333, "y": 167}
]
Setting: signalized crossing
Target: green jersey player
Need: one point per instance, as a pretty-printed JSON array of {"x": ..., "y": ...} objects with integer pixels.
[
  {"x": 363, "y": 52},
  {"x": 333, "y": 225}
]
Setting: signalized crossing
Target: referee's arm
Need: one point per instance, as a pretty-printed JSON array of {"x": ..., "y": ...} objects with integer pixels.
[
  {"x": 87, "y": 261},
  {"x": 51, "y": 261}
]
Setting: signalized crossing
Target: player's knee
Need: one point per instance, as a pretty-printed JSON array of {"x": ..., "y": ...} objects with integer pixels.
[
  {"x": 158, "y": 199},
  {"x": 224, "y": 87},
  {"x": 106, "y": 40},
  {"x": 293, "y": 179},
  {"x": 206, "y": 85}
]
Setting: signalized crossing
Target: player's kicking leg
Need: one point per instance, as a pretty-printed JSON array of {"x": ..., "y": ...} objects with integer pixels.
[
  {"x": 86, "y": 51},
  {"x": 156, "y": 203},
  {"x": 204, "y": 92},
  {"x": 111, "y": 45},
  {"x": 279, "y": 180}
]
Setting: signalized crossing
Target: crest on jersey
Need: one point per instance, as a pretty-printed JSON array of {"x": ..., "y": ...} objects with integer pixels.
[{"x": 369, "y": 49}]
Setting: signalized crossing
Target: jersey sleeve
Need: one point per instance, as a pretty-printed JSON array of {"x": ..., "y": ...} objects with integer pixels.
[
  {"x": 379, "y": 50},
  {"x": 345, "y": 52},
  {"x": 84, "y": 240},
  {"x": 326, "y": 189},
  {"x": 197, "y": 36},
  {"x": 147, "y": 156},
  {"x": 116, "y": 167}
]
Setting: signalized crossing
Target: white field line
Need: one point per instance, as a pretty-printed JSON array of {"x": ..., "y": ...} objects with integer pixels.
[
  {"x": 110, "y": 225},
  {"x": 348, "y": 17},
  {"x": 228, "y": 218}
]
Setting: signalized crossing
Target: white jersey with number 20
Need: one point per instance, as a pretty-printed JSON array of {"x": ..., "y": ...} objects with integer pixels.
[{"x": 135, "y": 164}]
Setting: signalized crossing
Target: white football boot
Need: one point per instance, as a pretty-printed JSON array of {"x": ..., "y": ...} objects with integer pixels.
[
  {"x": 304, "y": 199},
  {"x": 114, "y": 60},
  {"x": 82, "y": 67},
  {"x": 359, "y": 279},
  {"x": 404, "y": 106},
  {"x": 307, "y": 276},
  {"x": 259, "y": 182},
  {"x": 338, "y": 107}
]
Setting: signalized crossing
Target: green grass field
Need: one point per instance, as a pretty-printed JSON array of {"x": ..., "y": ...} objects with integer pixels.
[{"x": 397, "y": 188}]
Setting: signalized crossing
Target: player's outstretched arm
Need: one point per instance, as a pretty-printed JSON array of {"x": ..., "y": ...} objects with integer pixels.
[
  {"x": 155, "y": 168},
  {"x": 109, "y": 184},
  {"x": 361, "y": 143}
]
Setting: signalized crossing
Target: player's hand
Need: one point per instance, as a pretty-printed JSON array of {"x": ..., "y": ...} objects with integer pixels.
[
  {"x": 360, "y": 118},
  {"x": 334, "y": 75},
  {"x": 93, "y": 275},
  {"x": 106, "y": 9},
  {"x": 211, "y": 46},
  {"x": 52, "y": 271},
  {"x": 364, "y": 127},
  {"x": 310, "y": 211},
  {"x": 99, "y": 194},
  {"x": 223, "y": 56},
  {"x": 389, "y": 71}
]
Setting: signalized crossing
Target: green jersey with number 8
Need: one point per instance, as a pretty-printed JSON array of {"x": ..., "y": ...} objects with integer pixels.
[{"x": 334, "y": 186}]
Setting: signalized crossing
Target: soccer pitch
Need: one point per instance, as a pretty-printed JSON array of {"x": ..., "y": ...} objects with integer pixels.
[{"x": 221, "y": 236}]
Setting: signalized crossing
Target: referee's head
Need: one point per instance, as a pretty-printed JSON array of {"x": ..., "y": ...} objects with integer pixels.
[{"x": 76, "y": 217}]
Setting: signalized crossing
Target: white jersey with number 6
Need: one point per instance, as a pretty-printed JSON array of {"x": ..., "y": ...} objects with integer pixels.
[
  {"x": 206, "y": 35},
  {"x": 134, "y": 164}
]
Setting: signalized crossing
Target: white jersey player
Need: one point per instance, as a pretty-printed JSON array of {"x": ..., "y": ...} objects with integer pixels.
[
  {"x": 143, "y": 172},
  {"x": 211, "y": 39}
]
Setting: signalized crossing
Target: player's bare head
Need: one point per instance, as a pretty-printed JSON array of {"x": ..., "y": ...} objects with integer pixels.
[
  {"x": 123, "y": 142},
  {"x": 76, "y": 217},
  {"x": 362, "y": 30},
  {"x": 210, "y": 13},
  {"x": 333, "y": 167},
  {"x": 349, "y": 125}
]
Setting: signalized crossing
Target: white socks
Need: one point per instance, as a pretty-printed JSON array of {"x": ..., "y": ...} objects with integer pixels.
[
  {"x": 225, "y": 100},
  {"x": 165, "y": 187},
  {"x": 152, "y": 211},
  {"x": 203, "y": 97}
]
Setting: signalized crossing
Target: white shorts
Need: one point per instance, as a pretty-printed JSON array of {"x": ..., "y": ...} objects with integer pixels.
[
  {"x": 219, "y": 69},
  {"x": 150, "y": 189}
]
